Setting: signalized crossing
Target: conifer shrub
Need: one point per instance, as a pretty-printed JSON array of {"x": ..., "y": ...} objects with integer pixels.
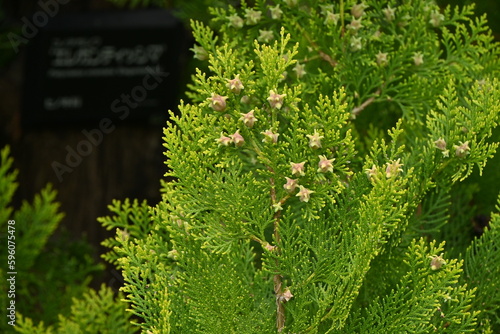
[
  {"x": 317, "y": 176},
  {"x": 325, "y": 176},
  {"x": 45, "y": 282}
]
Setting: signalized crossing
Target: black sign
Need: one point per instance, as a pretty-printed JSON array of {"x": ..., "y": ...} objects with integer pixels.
[{"x": 86, "y": 66}]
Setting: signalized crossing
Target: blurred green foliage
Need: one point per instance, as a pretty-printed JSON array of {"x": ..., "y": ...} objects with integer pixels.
[
  {"x": 51, "y": 271},
  {"x": 489, "y": 7}
]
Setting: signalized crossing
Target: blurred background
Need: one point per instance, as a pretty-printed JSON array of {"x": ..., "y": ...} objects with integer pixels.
[{"x": 85, "y": 86}]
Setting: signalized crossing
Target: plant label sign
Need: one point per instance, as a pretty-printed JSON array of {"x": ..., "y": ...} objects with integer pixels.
[{"x": 86, "y": 66}]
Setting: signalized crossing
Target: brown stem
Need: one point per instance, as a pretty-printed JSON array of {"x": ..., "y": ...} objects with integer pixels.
[
  {"x": 322, "y": 54},
  {"x": 327, "y": 58},
  {"x": 342, "y": 17},
  {"x": 278, "y": 291},
  {"x": 356, "y": 110},
  {"x": 280, "y": 309},
  {"x": 254, "y": 238}
]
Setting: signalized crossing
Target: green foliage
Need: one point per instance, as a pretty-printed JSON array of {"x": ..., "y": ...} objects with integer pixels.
[
  {"x": 134, "y": 224},
  {"x": 8, "y": 185},
  {"x": 69, "y": 267},
  {"x": 423, "y": 301},
  {"x": 489, "y": 7},
  {"x": 49, "y": 272},
  {"x": 482, "y": 271},
  {"x": 95, "y": 312},
  {"x": 317, "y": 176},
  {"x": 131, "y": 220},
  {"x": 35, "y": 223}
]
